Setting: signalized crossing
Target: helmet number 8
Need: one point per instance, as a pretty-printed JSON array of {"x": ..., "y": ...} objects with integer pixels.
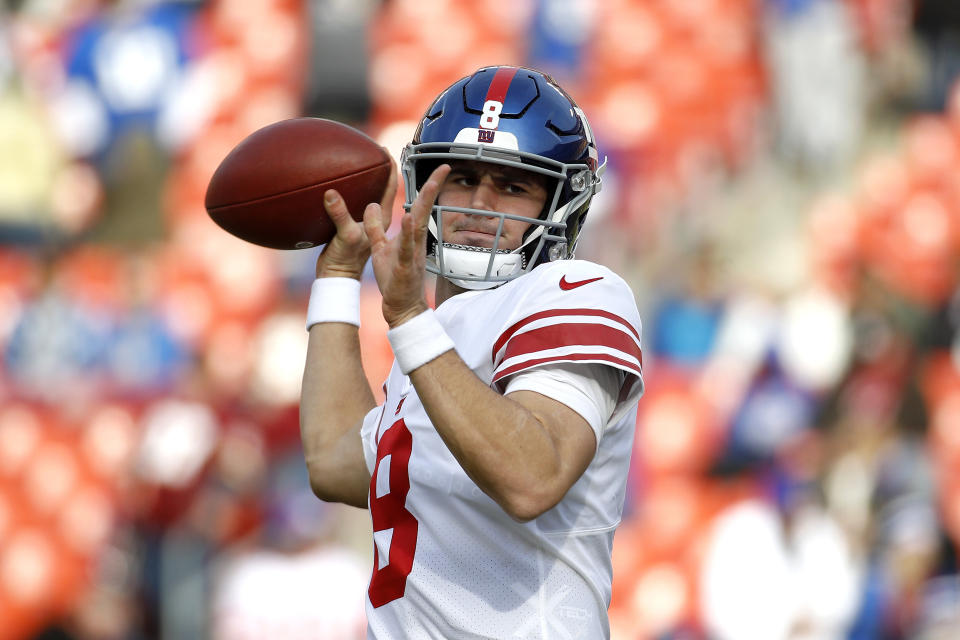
[{"x": 491, "y": 114}]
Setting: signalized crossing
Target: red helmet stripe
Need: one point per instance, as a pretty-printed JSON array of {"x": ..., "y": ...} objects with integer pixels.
[{"x": 500, "y": 83}]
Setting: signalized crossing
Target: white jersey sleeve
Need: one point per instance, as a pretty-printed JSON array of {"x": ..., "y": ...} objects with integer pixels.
[
  {"x": 590, "y": 389},
  {"x": 573, "y": 311}
]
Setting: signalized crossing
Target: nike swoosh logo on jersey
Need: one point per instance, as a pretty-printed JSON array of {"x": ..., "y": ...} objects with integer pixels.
[{"x": 567, "y": 285}]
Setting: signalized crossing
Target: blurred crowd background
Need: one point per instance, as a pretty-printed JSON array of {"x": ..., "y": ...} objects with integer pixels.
[{"x": 783, "y": 195}]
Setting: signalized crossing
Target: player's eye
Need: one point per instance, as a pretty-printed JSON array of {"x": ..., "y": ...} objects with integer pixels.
[
  {"x": 463, "y": 179},
  {"x": 515, "y": 188}
]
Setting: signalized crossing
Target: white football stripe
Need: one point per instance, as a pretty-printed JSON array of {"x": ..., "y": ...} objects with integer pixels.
[{"x": 564, "y": 351}]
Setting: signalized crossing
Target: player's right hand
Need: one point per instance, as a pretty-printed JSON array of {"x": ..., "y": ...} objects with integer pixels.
[{"x": 347, "y": 253}]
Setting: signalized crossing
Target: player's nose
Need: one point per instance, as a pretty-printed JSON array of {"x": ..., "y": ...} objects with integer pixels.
[{"x": 484, "y": 195}]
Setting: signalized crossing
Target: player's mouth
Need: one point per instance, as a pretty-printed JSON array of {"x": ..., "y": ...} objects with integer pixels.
[{"x": 473, "y": 237}]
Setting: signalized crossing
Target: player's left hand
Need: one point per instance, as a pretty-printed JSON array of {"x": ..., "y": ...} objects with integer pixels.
[{"x": 399, "y": 263}]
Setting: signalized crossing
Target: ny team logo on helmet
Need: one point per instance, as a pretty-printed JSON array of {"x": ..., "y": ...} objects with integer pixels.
[{"x": 516, "y": 117}]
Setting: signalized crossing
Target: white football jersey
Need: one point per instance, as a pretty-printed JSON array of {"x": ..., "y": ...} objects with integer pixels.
[{"x": 448, "y": 561}]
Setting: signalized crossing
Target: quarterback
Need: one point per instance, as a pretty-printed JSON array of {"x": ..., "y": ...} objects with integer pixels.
[{"x": 495, "y": 469}]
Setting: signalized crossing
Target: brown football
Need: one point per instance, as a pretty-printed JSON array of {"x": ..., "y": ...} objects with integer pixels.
[{"x": 269, "y": 189}]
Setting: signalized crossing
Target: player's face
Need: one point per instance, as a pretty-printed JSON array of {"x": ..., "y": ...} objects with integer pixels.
[{"x": 489, "y": 187}]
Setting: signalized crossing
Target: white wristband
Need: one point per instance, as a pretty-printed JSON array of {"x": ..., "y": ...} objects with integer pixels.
[
  {"x": 334, "y": 300},
  {"x": 418, "y": 341}
]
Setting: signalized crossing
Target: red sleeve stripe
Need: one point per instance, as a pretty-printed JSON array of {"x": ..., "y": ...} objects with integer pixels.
[
  {"x": 556, "y": 336},
  {"x": 571, "y": 357},
  {"x": 556, "y": 313}
]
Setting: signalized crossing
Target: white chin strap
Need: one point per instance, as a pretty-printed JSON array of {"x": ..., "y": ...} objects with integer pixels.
[{"x": 459, "y": 264}]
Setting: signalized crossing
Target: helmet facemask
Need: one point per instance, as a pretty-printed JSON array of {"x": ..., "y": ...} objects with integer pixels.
[{"x": 552, "y": 236}]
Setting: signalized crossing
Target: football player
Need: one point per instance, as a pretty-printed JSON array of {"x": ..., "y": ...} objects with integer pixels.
[{"x": 495, "y": 469}]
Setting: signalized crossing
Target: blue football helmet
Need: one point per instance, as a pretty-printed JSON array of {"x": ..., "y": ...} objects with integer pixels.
[{"x": 520, "y": 118}]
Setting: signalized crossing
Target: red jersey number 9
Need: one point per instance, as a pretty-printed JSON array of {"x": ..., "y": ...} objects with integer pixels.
[{"x": 389, "y": 485}]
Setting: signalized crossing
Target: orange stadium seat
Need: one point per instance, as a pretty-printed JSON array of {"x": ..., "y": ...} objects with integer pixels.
[
  {"x": 909, "y": 209},
  {"x": 662, "y": 598},
  {"x": 680, "y": 99},
  {"x": 94, "y": 276},
  {"x": 455, "y": 38},
  {"x": 56, "y": 513},
  {"x": 271, "y": 34},
  {"x": 931, "y": 150},
  {"x": 676, "y": 432},
  {"x": 20, "y": 272},
  {"x": 184, "y": 297},
  {"x": 377, "y": 354},
  {"x": 833, "y": 245}
]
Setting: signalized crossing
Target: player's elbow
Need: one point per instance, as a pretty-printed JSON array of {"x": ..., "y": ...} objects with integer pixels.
[
  {"x": 336, "y": 469},
  {"x": 524, "y": 506},
  {"x": 529, "y": 493},
  {"x": 320, "y": 476},
  {"x": 329, "y": 493},
  {"x": 522, "y": 515},
  {"x": 332, "y": 483}
]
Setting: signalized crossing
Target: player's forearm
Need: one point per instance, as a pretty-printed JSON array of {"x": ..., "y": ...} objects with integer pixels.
[
  {"x": 504, "y": 448},
  {"x": 334, "y": 398}
]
